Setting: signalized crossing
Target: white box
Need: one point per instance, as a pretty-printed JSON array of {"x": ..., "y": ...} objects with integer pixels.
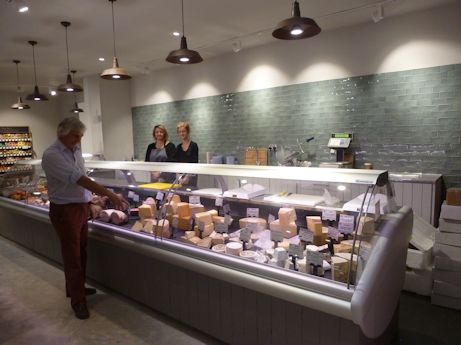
[
  {"x": 451, "y": 252},
  {"x": 446, "y": 289},
  {"x": 444, "y": 263},
  {"x": 448, "y": 238},
  {"x": 447, "y": 225},
  {"x": 419, "y": 259},
  {"x": 450, "y": 277},
  {"x": 444, "y": 301},
  {"x": 419, "y": 281},
  {"x": 450, "y": 212}
]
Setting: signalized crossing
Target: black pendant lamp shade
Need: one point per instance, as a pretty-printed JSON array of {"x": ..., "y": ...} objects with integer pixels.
[
  {"x": 116, "y": 72},
  {"x": 183, "y": 55},
  {"x": 69, "y": 85},
  {"x": 19, "y": 105},
  {"x": 36, "y": 95},
  {"x": 296, "y": 27},
  {"x": 75, "y": 109}
]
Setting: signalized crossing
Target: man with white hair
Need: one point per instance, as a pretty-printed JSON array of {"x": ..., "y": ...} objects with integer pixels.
[{"x": 69, "y": 191}]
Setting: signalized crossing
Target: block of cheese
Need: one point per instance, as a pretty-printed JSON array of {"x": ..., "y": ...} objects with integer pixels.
[
  {"x": 146, "y": 211},
  {"x": 137, "y": 226},
  {"x": 149, "y": 225},
  {"x": 193, "y": 240},
  {"x": 162, "y": 228},
  {"x": 286, "y": 216},
  {"x": 260, "y": 221},
  {"x": 183, "y": 223},
  {"x": 319, "y": 240},
  {"x": 275, "y": 225},
  {"x": 314, "y": 224},
  {"x": 189, "y": 234},
  {"x": 217, "y": 219},
  {"x": 196, "y": 208},
  {"x": 205, "y": 242},
  {"x": 217, "y": 239},
  {"x": 183, "y": 209},
  {"x": 339, "y": 269},
  {"x": 207, "y": 230},
  {"x": 366, "y": 226},
  {"x": 204, "y": 217},
  {"x": 302, "y": 267},
  {"x": 454, "y": 196},
  {"x": 290, "y": 230},
  {"x": 213, "y": 212},
  {"x": 347, "y": 256},
  {"x": 172, "y": 205},
  {"x": 342, "y": 247}
]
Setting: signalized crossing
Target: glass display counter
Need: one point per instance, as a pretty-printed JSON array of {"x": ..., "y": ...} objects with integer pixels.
[{"x": 331, "y": 240}]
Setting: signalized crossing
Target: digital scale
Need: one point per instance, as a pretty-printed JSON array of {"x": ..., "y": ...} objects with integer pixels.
[{"x": 339, "y": 143}]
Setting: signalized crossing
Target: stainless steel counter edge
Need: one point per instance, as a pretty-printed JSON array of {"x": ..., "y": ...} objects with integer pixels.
[{"x": 323, "y": 295}]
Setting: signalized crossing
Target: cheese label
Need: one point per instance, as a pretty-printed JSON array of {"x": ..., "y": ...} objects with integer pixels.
[
  {"x": 270, "y": 218},
  {"x": 333, "y": 233},
  {"x": 296, "y": 250},
  {"x": 276, "y": 236},
  {"x": 226, "y": 208},
  {"x": 315, "y": 258},
  {"x": 346, "y": 224},
  {"x": 245, "y": 234},
  {"x": 252, "y": 226},
  {"x": 159, "y": 196},
  {"x": 227, "y": 220},
  {"x": 306, "y": 235},
  {"x": 252, "y": 212},
  {"x": 194, "y": 199},
  {"x": 218, "y": 201},
  {"x": 136, "y": 198},
  {"x": 130, "y": 194},
  {"x": 329, "y": 215},
  {"x": 221, "y": 228}
]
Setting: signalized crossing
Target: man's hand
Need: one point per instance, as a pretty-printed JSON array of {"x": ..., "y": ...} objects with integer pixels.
[{"x": 118, "y": 202}]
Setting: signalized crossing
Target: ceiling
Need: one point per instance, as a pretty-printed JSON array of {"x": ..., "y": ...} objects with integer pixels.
[{"x": 144, "y": 30}]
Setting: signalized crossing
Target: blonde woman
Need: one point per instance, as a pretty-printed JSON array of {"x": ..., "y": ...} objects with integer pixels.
[
  {"x": 161, "y": 150},
  {"x": 187, "y": 151}
]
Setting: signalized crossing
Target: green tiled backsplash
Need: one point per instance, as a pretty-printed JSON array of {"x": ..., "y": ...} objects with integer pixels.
[{"x": 401, "y": 121}]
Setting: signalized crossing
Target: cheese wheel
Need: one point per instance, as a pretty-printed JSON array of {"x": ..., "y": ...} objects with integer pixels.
[
  {"x": 118, "y": 217},
  {"x": 234, "y": 248},
  {"x": 260, "y": 221},
  {"x": 219, "y": 248},
  {"x": 287, "y": 216}
]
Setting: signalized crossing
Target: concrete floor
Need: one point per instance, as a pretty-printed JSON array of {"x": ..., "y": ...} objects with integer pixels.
[{"x": 34, "y": 310}]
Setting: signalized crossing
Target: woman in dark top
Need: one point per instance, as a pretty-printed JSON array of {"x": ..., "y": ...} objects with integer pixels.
[
  {"x": 161, "y": 150},
  {"x": 187, "y": 151}
]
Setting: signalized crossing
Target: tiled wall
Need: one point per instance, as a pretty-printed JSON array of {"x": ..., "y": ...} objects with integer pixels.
[{"x": 402, "y": 121}]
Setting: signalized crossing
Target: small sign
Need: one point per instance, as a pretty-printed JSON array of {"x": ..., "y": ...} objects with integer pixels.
[
  {"x": 136, "y": 198},
  {"x": 159, "y": 196},
  {"x": 315, "y": 258},
  {"x": 306, "y": 235},
  {"x": 201, "y": 226},
  {"x": 226, "y": 208},
  {"x": 169, "y": 196},
  {"x": 227, "y": 220},
  {"x": 346, "y": 224},
  {"x": 296, "y": 250},
  {"x": 221, "y": 228},
  {"x": 333, "y": 233},
  {"x": 194, "y": 199},
  {"x": 329, "y": 215},
  {"x": 270, "y": 218},
  {"x": 130, "y": 194},
  {"x": 276, "y": 236},
  {"x": 218, "y": 201},
  {"x": 245, "y": 235},
  {"x": 252, "y": 212},
  {"x": 377, "y": 210},
  {"x": 175, "y": 222}
]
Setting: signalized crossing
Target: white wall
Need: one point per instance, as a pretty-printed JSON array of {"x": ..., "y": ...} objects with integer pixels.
[
  {"x": 419, "y": 40},
  {"x": 117, "y": 126},
  {"x": 42, "y": 119}
]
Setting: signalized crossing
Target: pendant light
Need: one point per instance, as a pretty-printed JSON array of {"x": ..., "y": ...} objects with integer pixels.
[
  {"x": 183, "y": 55},
  {"x": 36, "y": 95},
  {"x": 76, "y": 108},
  {"x": 19, "y": 105},
  {"x": 114, "y": 73},
  {"x": 69, "y": 85},
  {"x": 296, "y": 27}
]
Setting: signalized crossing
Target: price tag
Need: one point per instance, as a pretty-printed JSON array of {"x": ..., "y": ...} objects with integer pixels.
[
  {"x": 306, "y": 235},
  {"x": 346, "y": 224},
  {"x": 169, "y": 196},
  {"x": 245, "y": 235},
  {"x": 296, "y": 250},
  {"x": 377, "y": 210},
  {"x": 159, "y": 196},
  {"x": 252, "y": 212},
  {"x": 227, "y": 220},
  {"x": 201, "y": 226},
  {"x": 276, "y": 236},
  {"x": 315, "y": 258},
  {"x": 252, "y": 226},
  {"x": 226, "y": 208},
  {"x": 194, "y": 199},
  {"x": 270, "y": 218},
  {"x": 218, "y": 201},
  {"x": 136, "y": 198},
  {"x": 221, "y": 228},
  {"x": 130, "y": 194},
  {"x": 174, "y": 223},
  {"x": 329, "y": 215},
  {"x": 333, "y": 233}
]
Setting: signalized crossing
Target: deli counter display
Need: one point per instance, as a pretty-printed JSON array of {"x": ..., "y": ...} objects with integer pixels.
[{"x": 247, "y": 244}]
